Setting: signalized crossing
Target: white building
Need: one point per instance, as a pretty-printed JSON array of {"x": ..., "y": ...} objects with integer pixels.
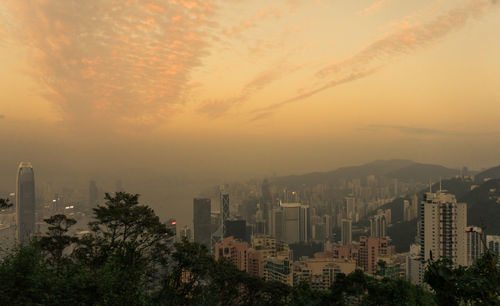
[
  {"x": 442, "y": 228},
  {"x": 475, "y": 247}
]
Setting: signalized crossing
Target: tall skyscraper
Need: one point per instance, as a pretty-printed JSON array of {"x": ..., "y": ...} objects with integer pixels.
[
  {"x": 378, "y": 225},
  {"x": 443, "y": 222},
  {"x": 202, "y": 221},
  {"x": 346, "y": 231},
  {"x": 25, "y": 202},
  {"x": 224, "y": 209}
]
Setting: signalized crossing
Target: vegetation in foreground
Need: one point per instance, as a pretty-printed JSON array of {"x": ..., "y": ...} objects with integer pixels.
[{"x": 127, "y": 258}]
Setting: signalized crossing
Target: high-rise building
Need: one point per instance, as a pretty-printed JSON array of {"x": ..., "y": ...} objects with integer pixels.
[
  {"x": 235, "y": 250},
  {"x": 407, "y": 213},
  {"x": 493, "y": 242},
  {"x": 296, "y": 222},
  {"x": 224, "y": 209},
  {"x": 185, "y": 232},
  {"x": 370, "y": 249},
  {"x": 202, "y": 221},
  {"x": 346, "y": 231},
  {"x": 236, "y": 229},
  {"x": 442, "y": 228},
  {"x": 475, "y": 247},
  {"x": 378, "y": 225},
  {"x": 25, "y": 202},
  {"x": 350, "y": 206}
]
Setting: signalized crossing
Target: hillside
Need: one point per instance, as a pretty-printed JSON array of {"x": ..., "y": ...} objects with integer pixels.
[
  {"x": 492, "y": 173},
  {"x": 405, "y": 170}
]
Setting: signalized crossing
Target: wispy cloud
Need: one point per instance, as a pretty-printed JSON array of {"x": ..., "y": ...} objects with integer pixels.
[
  {"x": 218, "y": 107},
  {"x": 379, "y": 53},
  {"x": 376, "y": 6},
  {"x": 413, "y": 130},
  {"x": 117, "y": 60}
]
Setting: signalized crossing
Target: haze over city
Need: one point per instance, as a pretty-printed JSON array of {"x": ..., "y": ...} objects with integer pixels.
[{"x": 174, "y": 96}]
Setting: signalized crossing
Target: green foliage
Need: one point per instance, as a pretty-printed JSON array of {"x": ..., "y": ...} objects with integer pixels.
[
  {"x": 477, "y": 284},
  {"x": 5, "y": 203}
]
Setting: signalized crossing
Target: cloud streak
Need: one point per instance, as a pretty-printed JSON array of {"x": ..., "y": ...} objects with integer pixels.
[
  {"x": 376, "y": 6},
  {"x": 114, "y": 60},
  {"x": 403, "y": 41}
]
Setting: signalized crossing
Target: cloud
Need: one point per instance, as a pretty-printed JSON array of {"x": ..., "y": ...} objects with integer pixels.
[
  {"x": 114, "y": 60},
  {"x": 219, "y": 107},
  {"x": 403, "y": 41},
  {"x": 376, "y": 6},
  {"x": 407, "y": 129}
]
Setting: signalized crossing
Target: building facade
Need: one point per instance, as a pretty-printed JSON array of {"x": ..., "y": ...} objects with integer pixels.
[
  {"x": 202, "y": 221},
  {"x": 25, "y": 202}
]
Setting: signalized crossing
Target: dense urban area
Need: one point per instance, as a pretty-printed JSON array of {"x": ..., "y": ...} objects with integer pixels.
[{"x": 370, "y": 234}]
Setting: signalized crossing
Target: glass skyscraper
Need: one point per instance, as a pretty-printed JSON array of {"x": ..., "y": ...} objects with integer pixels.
[{"x": 25, "y": 202}]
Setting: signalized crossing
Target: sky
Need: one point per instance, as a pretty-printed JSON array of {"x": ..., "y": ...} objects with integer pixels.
[{"x": 191, "y": 92}]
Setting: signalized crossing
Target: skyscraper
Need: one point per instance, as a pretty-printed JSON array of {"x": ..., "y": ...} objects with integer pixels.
[
  {"x": 346, "y": 231},
  {"x": 202, "y": 221},
  {"x": 378, "y": 225},
  {"x": 443, "y": 223},
  {"x": 224, "y": 209},
  {"x": 25, "y": 202},
  {"x": 296, "y": 222}
]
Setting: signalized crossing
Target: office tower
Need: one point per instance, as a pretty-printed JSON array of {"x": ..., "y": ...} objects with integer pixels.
[
  {"x": 378, "y": 226},
  {"x": 236, "y": 229},
  {"x": 475, "y": 247},
  {"x": 442, "y": 228},
  {"x": 266, "y": 203},
  {"x": 350, "y": 203},
  {"x": 25, "y": 202},
  {"x": 346, "y": 231},
  {"x": 370, "y": 249},
  {"x": 329, "y": 226},
  {"x": 407, "y": 212},
  {"x": 276, "y": 223},
  {"x": 224, "y": 209},
  {"x": 414, "y": 206},
  {"x": 93, "y": 194},
  {"x": 185, "y": 232},
  {"x": 202, "y": 221},
  {"x": 296, "y": 222}
]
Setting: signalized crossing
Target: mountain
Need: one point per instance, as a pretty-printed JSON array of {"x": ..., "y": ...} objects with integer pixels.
[
  {"x": 422, "y": 173},
  {"x": 405, "y": 170},
  {"x": 492, "y": 173}
]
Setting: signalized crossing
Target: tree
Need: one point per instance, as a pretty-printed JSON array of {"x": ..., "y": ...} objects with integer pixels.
[
  {"x": 57, "y": 239},
  {"x": 5, "y": 203}
]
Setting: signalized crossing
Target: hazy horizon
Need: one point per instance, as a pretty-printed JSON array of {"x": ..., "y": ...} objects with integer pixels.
[{"x": 197, "y": 92}]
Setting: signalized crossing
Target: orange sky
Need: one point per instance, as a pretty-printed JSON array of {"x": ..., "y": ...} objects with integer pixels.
[{"x": 236, "y": 88}]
